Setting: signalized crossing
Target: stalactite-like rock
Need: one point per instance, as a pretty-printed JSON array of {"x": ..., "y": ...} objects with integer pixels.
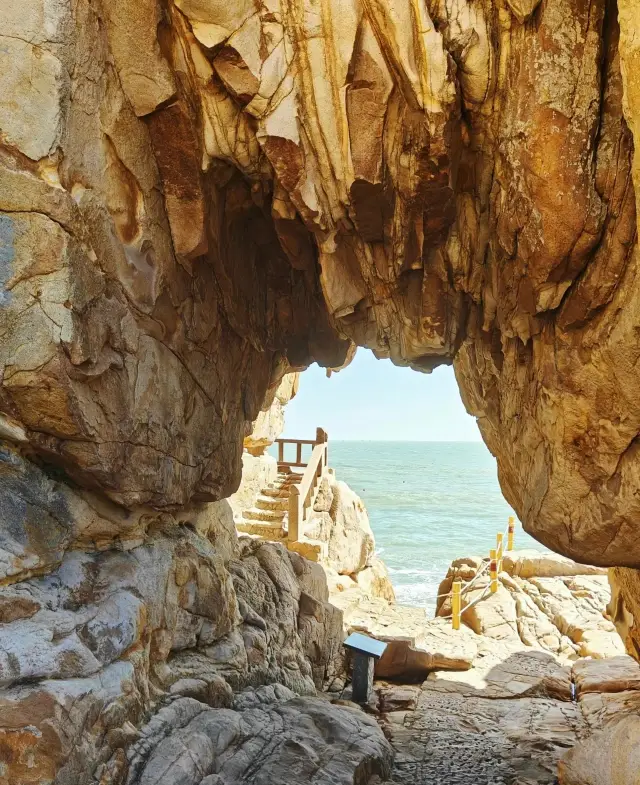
[{"x": 212, "y": 193}]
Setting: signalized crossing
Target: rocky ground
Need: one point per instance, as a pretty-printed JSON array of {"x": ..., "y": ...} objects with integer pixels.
[
  {"x": 163, "y": 648},
  {"x": 534, "y": 684},
  {"x": 524, "y": 693}
]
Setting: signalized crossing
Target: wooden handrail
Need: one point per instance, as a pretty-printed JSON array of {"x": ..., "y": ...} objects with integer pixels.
[
  {"x": 321, "y": 438},
  {"x": 302, "y": 495}
]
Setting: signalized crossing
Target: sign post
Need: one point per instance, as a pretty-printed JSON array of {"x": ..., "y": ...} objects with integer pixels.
[{"x": 366, "y": 651}]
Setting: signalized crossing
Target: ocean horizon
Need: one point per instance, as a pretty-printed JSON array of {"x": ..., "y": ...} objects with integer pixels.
[{"x": 428, "y": 504}]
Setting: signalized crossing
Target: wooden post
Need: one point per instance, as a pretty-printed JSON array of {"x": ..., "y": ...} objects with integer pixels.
[
  {"x": 511, "y": 532},
  {"x": 299, "y": 453},
  {"x": 500, "y": 551},
  {"x": 280, "y": 451},
  {"x": 455, "y": 604},
  {"x": 322, "y": 438},
  {"x": 294, "y": 514},
  {"x": 493, "y": 570}
]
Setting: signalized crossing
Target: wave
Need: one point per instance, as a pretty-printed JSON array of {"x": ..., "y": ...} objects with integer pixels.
[{"x": 432, "y": 574}]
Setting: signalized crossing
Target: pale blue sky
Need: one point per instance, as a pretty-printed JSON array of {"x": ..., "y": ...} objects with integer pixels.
[{"x": 375, "y": 400}]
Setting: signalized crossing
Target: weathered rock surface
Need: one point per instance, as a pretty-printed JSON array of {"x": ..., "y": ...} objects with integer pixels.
[
  {"x": 270, "y": 422},
  {"x": 439, "y": 183},
  {"x": 450, "y": 737},
  {"x": 269, "y": 736},
  {"x": 341, "y": 520},
  {"x": 543, "y": 600},
  {"x": 103, "y": 638},
  {"x": 516, "y": 713},
  {"x": 416, "y": 644},
  {"x": 197, "y": 198}
]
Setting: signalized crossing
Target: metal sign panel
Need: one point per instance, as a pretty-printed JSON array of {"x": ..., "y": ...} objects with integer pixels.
[{"x": 363, "y": 644}]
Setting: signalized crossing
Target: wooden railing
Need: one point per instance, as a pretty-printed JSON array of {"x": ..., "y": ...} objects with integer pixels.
[
  {"x": 302, "y": 495},
  {"x": 283, "y": 464}
]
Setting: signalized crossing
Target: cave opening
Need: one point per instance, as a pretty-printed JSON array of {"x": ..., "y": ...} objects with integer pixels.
[{"x": 405, "y": 444}]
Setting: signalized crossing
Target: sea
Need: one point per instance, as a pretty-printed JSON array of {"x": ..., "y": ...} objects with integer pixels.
[{"x": 428, "y": 503}]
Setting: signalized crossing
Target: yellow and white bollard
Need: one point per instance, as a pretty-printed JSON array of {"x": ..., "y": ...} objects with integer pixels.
[
  {"x": 510, "y": 532},
  {"x": 499, "y": 551},
  {"x": 455, "y": 604},
  {"x": 493, "y": 570}
]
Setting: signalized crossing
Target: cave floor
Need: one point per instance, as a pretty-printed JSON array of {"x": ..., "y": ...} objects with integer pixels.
[
  {"x": 454, "y": 738},
  {"x": 509, "y": 724}
]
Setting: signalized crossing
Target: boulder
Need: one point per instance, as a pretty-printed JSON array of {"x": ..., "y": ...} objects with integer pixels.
[
  {"x": 375, "y": 582},
  {"x": 265, "y": 738},
  {"x": 351, "y": 545},
  {"x": 495, "y": 616},
  {"x": 416, "y": 644},
  {"x": 529, "y": 564},
  {"x": 609, "y": 757},
  {"x": 614, "y": 674}
]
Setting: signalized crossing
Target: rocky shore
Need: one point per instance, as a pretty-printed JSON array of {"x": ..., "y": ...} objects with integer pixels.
[
  {"x": 528, "y": 692},
  {"x": 524, "y": 693},
  {"x": 198, "y": 657}
]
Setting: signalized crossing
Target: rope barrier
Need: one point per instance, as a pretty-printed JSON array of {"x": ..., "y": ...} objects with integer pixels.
[
  {"x": 477, "y": 599},
  {"x": 485, "y": 591},
  {"x": 478, "y": 574},
  {"x": 493, "y": 566}
]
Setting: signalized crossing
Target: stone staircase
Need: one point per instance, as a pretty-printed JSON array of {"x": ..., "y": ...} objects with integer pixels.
[{"x": 268, "y": 518}]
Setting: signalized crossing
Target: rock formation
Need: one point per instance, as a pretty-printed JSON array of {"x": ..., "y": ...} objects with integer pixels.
[
  {"x": 508, "y": 698},
  {"x": 516, "y": 725},
  {"x": 195, "y": 199}
]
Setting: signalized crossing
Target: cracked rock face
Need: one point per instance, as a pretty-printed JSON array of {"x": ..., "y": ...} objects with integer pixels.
[{"x": 196, "y": 197}]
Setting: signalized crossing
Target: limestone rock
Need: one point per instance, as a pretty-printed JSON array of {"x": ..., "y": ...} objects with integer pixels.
[
  {"x": 611, "y": 757},
  {"x": 614, "y": 674},
  {"x": 270, "y": 422},
  {"x": 307, "y": 739}
]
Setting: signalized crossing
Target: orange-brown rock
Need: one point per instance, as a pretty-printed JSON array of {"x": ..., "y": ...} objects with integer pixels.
[
  {"x": 211, "y": 194},
  {"x": 196, "y": 198}
]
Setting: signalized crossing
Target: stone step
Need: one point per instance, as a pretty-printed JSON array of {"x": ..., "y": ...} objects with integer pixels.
[
  {"x": 274, "y": 503},
  {"x": 313, "y": 550},
  {"x": 289, "y": 478},
  {"x": 266, "y": 531},
  {"x": 268, "y": 516},
  {"x": 276, "y": 492}
]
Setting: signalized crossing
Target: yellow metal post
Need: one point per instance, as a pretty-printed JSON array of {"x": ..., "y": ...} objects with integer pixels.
[
  {"x": 493, "y": 570},
  {"x": 455, "y": 604},
  {"x": 500, "y": 551},
  {"x": 511, "y": 532}
]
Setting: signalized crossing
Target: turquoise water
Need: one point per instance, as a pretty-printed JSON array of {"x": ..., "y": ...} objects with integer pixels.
[{"x": 428, "y": 503}]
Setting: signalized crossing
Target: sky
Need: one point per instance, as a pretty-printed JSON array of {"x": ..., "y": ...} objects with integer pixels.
[{"x": 375, "y": 400}]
